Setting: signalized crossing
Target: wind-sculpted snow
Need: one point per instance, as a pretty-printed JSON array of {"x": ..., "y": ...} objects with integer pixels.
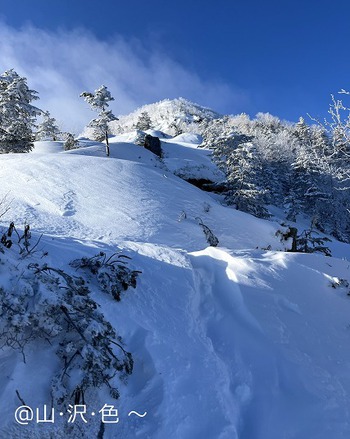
[
  {"x": 231, "y": 342},
  {"x": 281, "y": 334}
]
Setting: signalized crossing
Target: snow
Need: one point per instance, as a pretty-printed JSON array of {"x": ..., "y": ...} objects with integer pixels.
[
  {"x": 47, "y": 147},
  {"x": 239, "y": 341},
  {"x": 183, "y": 157}
]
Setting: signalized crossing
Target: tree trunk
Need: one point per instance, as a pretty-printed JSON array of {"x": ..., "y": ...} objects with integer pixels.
[
  {"x": 293, "y": 233},
  {"x": 107, "y": 144}
]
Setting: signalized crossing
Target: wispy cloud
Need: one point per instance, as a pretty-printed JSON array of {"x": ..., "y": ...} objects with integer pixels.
[{"x": 62, "y": 64}]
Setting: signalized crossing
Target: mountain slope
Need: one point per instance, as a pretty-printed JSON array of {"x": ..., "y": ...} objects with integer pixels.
[{"x": 230, "y": 342}]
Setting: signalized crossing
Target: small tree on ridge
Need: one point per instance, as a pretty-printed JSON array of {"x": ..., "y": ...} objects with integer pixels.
[{"x": 99, "y": 102}]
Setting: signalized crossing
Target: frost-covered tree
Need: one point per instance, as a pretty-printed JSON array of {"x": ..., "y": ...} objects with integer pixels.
[
  {"x": 299, "y": 183},
  {"x": 339, "y": 126},
  {"x": 47, "y": 129},
  {"x": 321, "y": 142},
  {"x": 17, "y": 115},
  {"x": 302, "y": 133},
  {"x": 215, "y": 130},
  {"x": 239, "y": 159},
  {"x": 144, "y": 122},
  {"x": 276, "y": 145},
  {"x": 70, "y": 142},
  {"x": 99, "y": 101}
]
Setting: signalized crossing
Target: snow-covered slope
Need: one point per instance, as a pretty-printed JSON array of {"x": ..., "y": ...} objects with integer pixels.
[{"x": 240, "y": 341}]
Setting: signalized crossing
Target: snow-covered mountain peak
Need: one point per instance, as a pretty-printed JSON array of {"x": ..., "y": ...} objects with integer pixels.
[{"x": 167, "y": 116}]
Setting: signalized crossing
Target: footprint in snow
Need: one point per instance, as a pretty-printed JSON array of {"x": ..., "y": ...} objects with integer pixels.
[{"x": 69, "y": 202}]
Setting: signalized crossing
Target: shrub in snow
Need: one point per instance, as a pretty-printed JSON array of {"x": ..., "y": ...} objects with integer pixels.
[
  {"x": 111, "y": 273},
  {"x": 340, "y": 283},
  {"x": 22, "y": 239},
  {"x": 50, "y": 305},
  {"x": 212, "y": 240}
]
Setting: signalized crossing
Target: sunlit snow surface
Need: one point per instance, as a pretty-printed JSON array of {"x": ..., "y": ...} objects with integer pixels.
[{"x": 230, "y": 342}]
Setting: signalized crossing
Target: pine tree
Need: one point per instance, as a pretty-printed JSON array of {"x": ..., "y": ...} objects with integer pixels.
[
  {"x": 309, "y": 241},
  {"x": 71, "y": 142},
  {"x": 99, "y": 102},
  {"x": 238, "y": 158},
  {"x": 17, "y": 115},
  {"x": 302, "y": 133},
  {"x": 321, "y": 142},
  {"x": 47, "y": 129},
  {"x": 144, "y": 122}
]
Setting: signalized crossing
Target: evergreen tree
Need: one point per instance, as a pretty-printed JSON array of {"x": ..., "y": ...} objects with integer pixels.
[
  {"x": 238, "y": 158},
  {"x": 71, "y": 142},
  {"x": 99, "y": 101},
  {"x": 144, "y": 122},
  {"x": 309, "y": 241},
  {"x": 47, "y": 129},
  {"x": 302, "y": 133},
  {"x": 321, "y": 142},
  {"x": 17, "y": 115}
]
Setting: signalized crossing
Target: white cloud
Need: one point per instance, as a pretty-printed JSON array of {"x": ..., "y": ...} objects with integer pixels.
[{"x": 62, "y": 64}]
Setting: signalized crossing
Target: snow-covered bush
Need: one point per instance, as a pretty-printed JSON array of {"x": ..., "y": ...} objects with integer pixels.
[
  {"x": 22, "y": 239},
  {"x": 212, "y": 240},
  {"x": 111, "y": 273},
  {"x": 47, "y": 304}
]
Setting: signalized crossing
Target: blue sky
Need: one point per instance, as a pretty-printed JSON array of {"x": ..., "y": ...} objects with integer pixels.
[{"x": 282, "y": 57}]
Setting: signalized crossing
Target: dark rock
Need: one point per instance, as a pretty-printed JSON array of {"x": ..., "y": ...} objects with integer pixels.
[
  {"x": 208, "y": 185},
  {"x": 153, "y": 144}
]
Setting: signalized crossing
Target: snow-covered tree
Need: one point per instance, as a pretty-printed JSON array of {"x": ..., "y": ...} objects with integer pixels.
[
  {"x": 99, "y": 101},
  {"x": 17, "y": 115},
  {"x": 47, "y": 129},
  {"x": 144, "y": 122},
  {"x": 302, "y": 133},
  {"x": 339, "y": 126},
  {"x": 70, "y": 142},
  {"x": 239, "y": 159},
  {"x": 321, "y": 142}
]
